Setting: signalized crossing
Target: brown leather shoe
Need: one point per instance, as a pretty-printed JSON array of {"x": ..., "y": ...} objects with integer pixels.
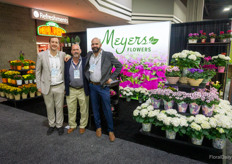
[
  {"x": 82, "y": 130},
  {"x": 99, "y": 132},
  {"x": 70, "y": 130},
  {"x": 111, "y": 136}
]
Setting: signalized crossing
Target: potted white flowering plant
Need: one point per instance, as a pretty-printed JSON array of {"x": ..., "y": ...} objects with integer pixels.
[
  {"x": 221, "y": 61},
  {"x": 144, "y": 114},
  {"x": 172, "y": 123},
  {"x": 127, "y": 92},
  {"x": 198, "y": 128},
  {"x": 186, "y": 59},
  {"x": 221, "y": 124},
  {"x": 142, "y": 94}
]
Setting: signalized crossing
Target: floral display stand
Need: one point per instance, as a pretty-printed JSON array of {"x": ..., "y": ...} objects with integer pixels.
[
  {"x": 183, "y": 146},
  {"x": 221, "y": 77}
]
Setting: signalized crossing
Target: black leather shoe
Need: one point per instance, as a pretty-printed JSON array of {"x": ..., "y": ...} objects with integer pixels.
[
  {"x": 60, "y": 130},
  {"x": 50, "y": 130}
]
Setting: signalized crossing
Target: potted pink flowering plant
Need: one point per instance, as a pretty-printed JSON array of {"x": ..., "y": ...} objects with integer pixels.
[
  {"x": 172, "y": 74},
  {"x": 212, "y": 37},
  {"x": 193, "y": 37}
]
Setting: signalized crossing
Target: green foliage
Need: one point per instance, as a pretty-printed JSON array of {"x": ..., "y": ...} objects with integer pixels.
[
  {"x": 62, "y": 40},
  {"x": 77, "y": 39},
  {"x": 67, "y": 39}
]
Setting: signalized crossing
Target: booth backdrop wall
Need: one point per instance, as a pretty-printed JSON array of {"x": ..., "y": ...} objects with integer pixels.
[{"x": 179, "y": 35}]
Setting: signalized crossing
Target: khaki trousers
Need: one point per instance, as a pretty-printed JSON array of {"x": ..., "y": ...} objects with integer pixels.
[
  {"x": 83, "y": 100},
  {"x": 55, "y": 100}
]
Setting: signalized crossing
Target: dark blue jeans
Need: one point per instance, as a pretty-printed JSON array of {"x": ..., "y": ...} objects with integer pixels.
[{"x": 97, "y": 92}]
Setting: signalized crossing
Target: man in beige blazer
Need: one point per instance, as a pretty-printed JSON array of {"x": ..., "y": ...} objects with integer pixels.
[{"x": 50, "y": 82}]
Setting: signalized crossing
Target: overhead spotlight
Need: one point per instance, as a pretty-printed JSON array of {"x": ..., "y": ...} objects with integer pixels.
[{"x": 226, "y": 9}]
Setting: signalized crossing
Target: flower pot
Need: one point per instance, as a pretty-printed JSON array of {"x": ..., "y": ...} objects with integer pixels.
[
  {"x": 19, "y": 67},
  {"x": 30, "y": 81},
  {"x": 38, "y": 93},
  {"x": 182, "y": 107},
  {"x": 4, "y": 80},
  {"x": 2, "y": 94},
  {"x": 13, "y": 81},
  {"x": 24, "y": 96},
  {"x": 192, "y": 40},
  {"x": 66, "y": 44},
  {"x": 227, "y": 39},
  {"x": 155, "y": 102},
  {"x": 197, "y": 141},
  {"x": 11, "y": 96},
  {"x": 128, "y": 99},
  {"x": 183, "y": 79},
  {"x": 207, "y": 111},
  {"x": 112, "y": 107},
  {"x": 32, "y": 66},
  {"x": 172, "y": 80},
  {"x": 32, "y": 94},
  {"x": 11, "y": 67},
  {"x": 26, "y": 81},
  {"x": 221, "y": 69},
  {"x": 194, "y": 108},
  {"x": 168, "y": 104},
  {"x": 69, "y": 44},
  {"x": 212, "y": 40},
  {"x": 17, "y": 97},
  {"x": 219, "y": 143},
  {"x": 26, "y": 67},
  {"x": 170, "y": 134},
  {"x": 203, "y": 40},
  {"x": 7, "y": 95},
  {"x": 9, "y": 80},
  {"x": 206, "y": 80},
  {"x": 146, "y": 127},
  {"x": 34, "y": 80},
  {"x": 19, "y": 82},
  {"x": 223, "y": 40},
  {"x": 194, "y": 82}
]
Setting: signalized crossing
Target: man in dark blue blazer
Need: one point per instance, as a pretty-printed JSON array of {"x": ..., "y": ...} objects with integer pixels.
[
  {"x": 98, "y": 69},
  {"x": 76, "y": 89}
]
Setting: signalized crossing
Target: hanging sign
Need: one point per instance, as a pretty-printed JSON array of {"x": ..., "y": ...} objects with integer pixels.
[
  {"x": 47, "y": 16},
  {"x": 50, "y": 29}
]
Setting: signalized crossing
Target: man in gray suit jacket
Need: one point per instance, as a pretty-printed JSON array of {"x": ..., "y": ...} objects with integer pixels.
[
  {"x": 98, "y": 68},
  {"x": 50, "y": 82}
]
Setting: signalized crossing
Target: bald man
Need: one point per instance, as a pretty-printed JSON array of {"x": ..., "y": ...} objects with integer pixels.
[{"x": 99, "y": 64}]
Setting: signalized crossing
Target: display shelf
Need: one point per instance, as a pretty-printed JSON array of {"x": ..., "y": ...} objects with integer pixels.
[
  {"x": 209, "y": 44},
  {"x": 182, "y": 146},
  {"x": 218, "y": 46},
  {"x": 181, "y": 85},
  {"x": 21, "y": 100},
  {"x": 186, "y": 87}
]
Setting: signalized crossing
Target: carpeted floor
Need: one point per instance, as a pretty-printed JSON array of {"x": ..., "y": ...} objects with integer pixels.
[{"x": 23, "y": 140}]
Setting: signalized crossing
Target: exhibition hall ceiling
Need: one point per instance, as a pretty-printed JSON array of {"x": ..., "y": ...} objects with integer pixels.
[
  {"x": 81, "y": 9},
  {"x": 84, "y": 9},
  {"x": 214, "y": 9}
]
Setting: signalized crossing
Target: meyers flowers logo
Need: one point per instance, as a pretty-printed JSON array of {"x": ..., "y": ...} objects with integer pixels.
[{"x": 131, "y": 44}]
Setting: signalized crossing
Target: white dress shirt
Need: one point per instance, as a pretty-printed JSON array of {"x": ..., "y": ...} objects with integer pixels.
[{"x": 55, "y": 68}]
